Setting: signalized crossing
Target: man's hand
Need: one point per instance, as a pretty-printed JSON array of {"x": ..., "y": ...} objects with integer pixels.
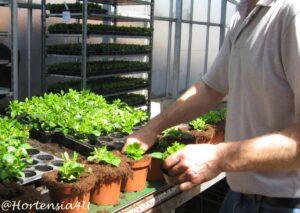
[
  {"x": 193, "y": 165},
  {"x": 145, "y": 137}
]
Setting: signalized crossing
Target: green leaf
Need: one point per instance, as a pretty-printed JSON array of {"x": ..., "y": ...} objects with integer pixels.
[
  {"x": 157, "y": 155},
  {"x": 9, "y": 158}
]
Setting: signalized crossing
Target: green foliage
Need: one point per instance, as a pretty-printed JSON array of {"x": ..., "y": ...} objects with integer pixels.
[
  {"x": 98, "y": 49},
  {"x": 97, "y": 67},
  {"x": 102, "y": 86},
  {"x": 212, "y": 117},
  {"x": 13, "y": 144},
  {"x": 75, "y": 8},
  {"x": 70, "y": 170},
  {"x": 198, "y": 124},
  {"x": 99, "y": 29},
  {"x": 172, "y": 149},
  {"x": 83, "y": 115},
  {"x": 134, "y": 151},
  {"x": 102, "y": 155},
  {"x": 215, "y": 116}
]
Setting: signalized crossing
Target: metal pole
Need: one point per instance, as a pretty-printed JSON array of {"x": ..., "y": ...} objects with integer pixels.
[
  {"x": 188, "y": 75},
  {"x": 29, "y": 37},
  {"x": 43, "y": 43},
  {"x": 14, "y": 48},
  {"x": 207, "y": 36},
  {"x": 169, "y": 49},
  {"x": 223, "y": 22},
  {"x": 177, "y": 49},
  {"x": 150, "y": 60},
  {"x": 84, "y": 45}
]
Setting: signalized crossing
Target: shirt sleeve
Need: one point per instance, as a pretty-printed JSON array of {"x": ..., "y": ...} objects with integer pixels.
[
  {"x": 290, "y": 47},
  {"x": 217, "y": 76}
]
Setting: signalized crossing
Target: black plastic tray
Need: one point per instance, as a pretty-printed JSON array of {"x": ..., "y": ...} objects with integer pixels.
[{"x": 112, "y": 141}]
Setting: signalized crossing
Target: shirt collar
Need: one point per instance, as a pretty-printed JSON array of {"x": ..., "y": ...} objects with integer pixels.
[
  {"x": 244, "y": 4},
  {"x": 266, "y": 3}
]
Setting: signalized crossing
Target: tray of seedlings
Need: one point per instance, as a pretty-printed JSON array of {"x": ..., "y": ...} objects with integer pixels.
[{"x": 80, "y": 121}]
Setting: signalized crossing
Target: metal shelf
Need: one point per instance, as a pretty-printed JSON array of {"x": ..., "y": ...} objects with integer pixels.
[
  {"x": 99, "y": 56},
  {"x": 122, "y": 2},
  {"x": 100, "y": 35},
  {"x": 4, "y": 34},
  {"x": 4, "y": 2},
  {"x": 125, "y": 91},
  {"x": 103, "y": 17},
  {"x": 4, "y": 91},
  {"x": 98, "y": 76}
]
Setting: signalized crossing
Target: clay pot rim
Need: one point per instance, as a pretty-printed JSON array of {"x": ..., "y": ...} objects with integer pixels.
[{"x": 53, "y": 182}]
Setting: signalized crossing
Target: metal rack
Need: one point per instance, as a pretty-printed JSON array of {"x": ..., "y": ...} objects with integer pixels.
[
  {"x": 84, "y": 16},
  {"x": 14, "y": 48}
]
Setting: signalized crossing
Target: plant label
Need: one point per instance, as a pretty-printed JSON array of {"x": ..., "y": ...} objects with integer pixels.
[{"x": 66, "y": 16}]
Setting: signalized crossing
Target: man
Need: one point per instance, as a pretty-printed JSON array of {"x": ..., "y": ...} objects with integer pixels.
[{"x": 259, "y": 68}]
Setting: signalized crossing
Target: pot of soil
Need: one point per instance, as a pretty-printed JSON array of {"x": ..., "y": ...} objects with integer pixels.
[
  {"x": 155, "y": 173},
  {"x": 110, "y": 168},
  {"x": 219, "y": 133},
  {"x": 20, "y": 194},
  {"x": 70, "y": 186},
  {"x": 137, "y": 182},
  {"x": 139, "y": 163}
]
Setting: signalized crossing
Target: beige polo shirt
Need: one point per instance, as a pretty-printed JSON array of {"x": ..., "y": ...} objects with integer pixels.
[{"x": 259, "y": 68}]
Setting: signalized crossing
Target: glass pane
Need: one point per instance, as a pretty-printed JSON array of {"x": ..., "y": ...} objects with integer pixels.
[
  {"x": 186, "y": 10},
  {"x": 215, "y": 13},
  {"x": 183, "y": 56},
  {"x": 160, "y": 52},
  {"x": 162, "y": 8},
  {"x": 200, "y": 10},
  {"x": 213, "y": 47},
  {"x": 198, "y": 53},
  {"x": 231, "y": 9}
]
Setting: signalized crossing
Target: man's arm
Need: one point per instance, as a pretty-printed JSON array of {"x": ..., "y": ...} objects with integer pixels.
[
  {"x": 274, "y": 152},
  {"x": 197, "y": 100},
  {"x": 199, "y": 163}
]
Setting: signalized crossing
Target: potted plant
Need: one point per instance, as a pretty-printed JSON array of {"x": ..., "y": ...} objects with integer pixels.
[
  {"x": 70, "y": 186},
  {"x": 170, "y": 150},
  {"x": 215, "y": 120},
  {"x": 13, "y": 160},
  {"x": 163, "y": 141},
  {"x": 210, "y": 127},
  {"x": 139, "y": 163},
  {"x": 110, "y": 168}
]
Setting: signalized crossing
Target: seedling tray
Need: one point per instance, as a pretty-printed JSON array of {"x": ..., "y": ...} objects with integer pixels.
[
  {"x": 42, "y": 162},
  {"x": 41, "y": 136},
  {"x": 113, "y": 141}
]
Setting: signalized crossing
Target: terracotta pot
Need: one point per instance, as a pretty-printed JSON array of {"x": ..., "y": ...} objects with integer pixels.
[
  {"x": 217, "y": 137},
  {"x": 77, "y": 202},
  {"x": 155, "y": 173},
  {"x": 107, "y": 193},
  {"x": 138, "y": 180}
]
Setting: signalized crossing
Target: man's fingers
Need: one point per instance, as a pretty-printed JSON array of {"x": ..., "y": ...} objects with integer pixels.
[
  {"x": 186, "y": 186},
  {"x": 178, "y": 168},
  {"x": 172, "y": 160}
]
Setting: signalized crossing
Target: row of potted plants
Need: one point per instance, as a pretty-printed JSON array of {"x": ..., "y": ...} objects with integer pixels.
[
  {"x": 102, "y": 177},
  {"x": 76, "y": 8},
  {"x": 102, "y": 86},
  {"x": 75, "y": 28},
  {"x": 98, "y": 49},
  {"x": 98, "y": 67},
  {"x": 13, "y": 160},
  {"x": 208, "y": 128},
  {"x": 83, "y": 115}
]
